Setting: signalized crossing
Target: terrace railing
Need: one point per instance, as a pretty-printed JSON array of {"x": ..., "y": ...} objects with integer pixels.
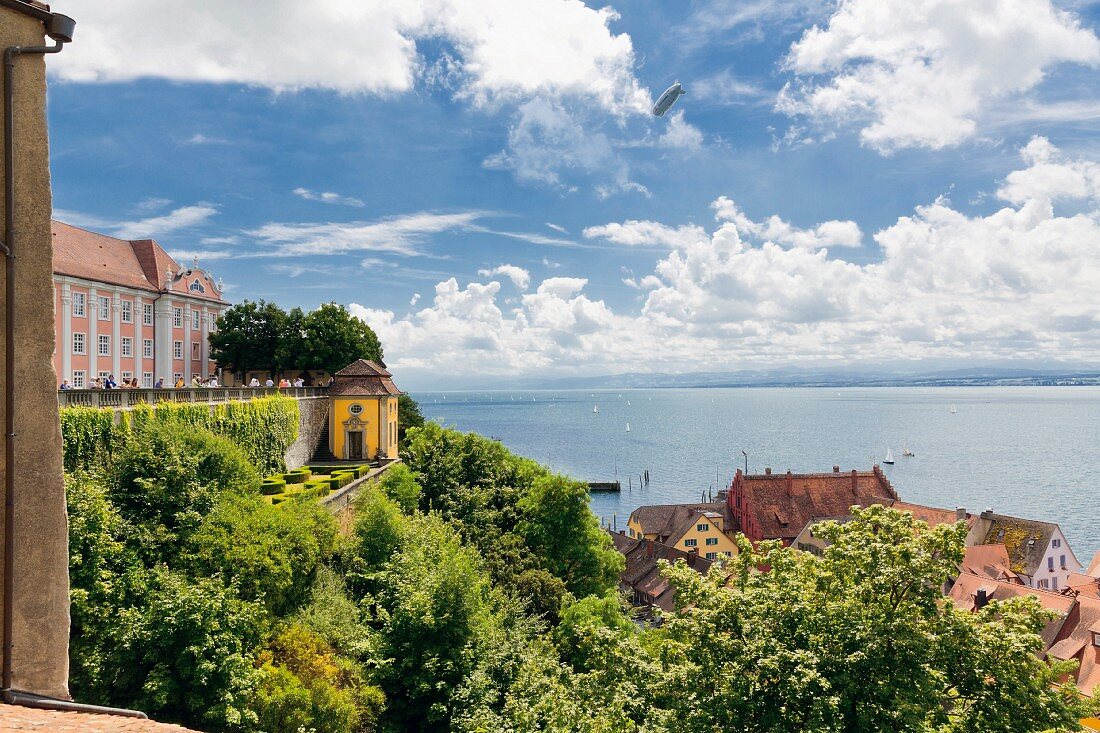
[{"x": 121, "y": 399}]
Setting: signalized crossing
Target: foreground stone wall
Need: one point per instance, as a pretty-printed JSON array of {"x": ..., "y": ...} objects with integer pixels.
[
  {"x": 41, "y": 624},
  {"x": 314, "y": 414}
]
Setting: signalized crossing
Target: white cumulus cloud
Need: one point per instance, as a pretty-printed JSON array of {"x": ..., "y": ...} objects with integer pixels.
[
  {"x": 922, "y": 73},
  {"x": 327, "y": 197},
  {"x": 519, "y": 276}
]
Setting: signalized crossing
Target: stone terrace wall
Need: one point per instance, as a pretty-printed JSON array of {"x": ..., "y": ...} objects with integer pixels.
[{"x": 314, "y": 414}]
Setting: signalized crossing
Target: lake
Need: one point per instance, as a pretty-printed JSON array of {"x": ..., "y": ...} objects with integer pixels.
[{"x": 1026, "y": 451}]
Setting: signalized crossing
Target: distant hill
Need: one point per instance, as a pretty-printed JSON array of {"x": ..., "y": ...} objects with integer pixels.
[{"x": 796, "y": 377}]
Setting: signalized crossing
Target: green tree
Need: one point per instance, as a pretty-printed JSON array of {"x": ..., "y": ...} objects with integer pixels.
[
  {"x": 400, "y": 485},
  {"x": 248, "y": 337},
  {"x": 168, "y": 479},
  {"x": 859, "y": 639},
  {"x": 270, "y": 554},
  {"x": 408, "y": 416},
  {"x": 332, "y": 338},
  {"x": 561, "y": 530}
]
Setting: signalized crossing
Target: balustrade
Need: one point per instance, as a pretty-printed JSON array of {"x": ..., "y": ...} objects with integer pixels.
[{"x": 122, "y": 399}]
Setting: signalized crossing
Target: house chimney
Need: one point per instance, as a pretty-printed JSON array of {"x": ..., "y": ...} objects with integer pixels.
[
  {"x": 988, "y": 513},
  {"x": 855, "y": 482},
  {"x": 981, "y": 599},
  {"x": 768, "y": 471},
  {"x": 836, "y": 469},
  {"x": 790, "y": 483},
  {"x": 960, "y": 514}
]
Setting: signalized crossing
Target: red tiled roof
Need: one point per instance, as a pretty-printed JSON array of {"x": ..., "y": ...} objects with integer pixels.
[
  {"x": 989, "y": 561},
  {"x": 363, "y": 377},
  {"x": 642, "y": 573},
  {"x": 1075, "y": 642},
  {"x": 932, "y": 516},
  {"x": 782, "y": 504},
  {"x": 16, "y": 718},
  {"x": 364, "y": 368},
  {"x": 1094, "y": 566},
  {"x": 141, "y": 264},
  {"x": 964, "y": 594}
]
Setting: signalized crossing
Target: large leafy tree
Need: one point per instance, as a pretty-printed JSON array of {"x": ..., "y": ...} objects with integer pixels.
[
  {"x": 332, "y": 338},
  {"x": 248, "y": 337},
  {"x": 860, "y": 639}
]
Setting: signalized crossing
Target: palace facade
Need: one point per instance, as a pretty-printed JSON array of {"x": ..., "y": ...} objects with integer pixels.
[{"x": 126, "y": 308}]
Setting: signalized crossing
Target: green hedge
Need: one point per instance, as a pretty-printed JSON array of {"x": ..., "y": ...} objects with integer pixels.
[
  {"x": 263, "y": 428},
  {"x": 297, "y": 476},
  {"x": 273, "y": 485}
]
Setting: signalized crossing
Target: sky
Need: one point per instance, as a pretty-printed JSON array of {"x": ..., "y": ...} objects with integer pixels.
[{"x": 904, "y": 182}]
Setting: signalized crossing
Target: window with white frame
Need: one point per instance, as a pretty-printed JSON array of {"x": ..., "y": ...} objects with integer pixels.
[
  {"x": 147, "y": 314},
  {"x": 704, "y": 527},
  {"x": 79, "y": 381},
  {"x": 127, "y": 311},
  {"x": 147, "y": 348},
  {"x": 80, "y": 304},
  {"x": 177, "y": 349},
  {"x": 127, "y": 346},
  {"x": 147, "y": 379},
  {"x": 177, "y": 317},
  {"x": 176, "y": 376},
  {"x": 80, "y": 344},
  {"x": 103, "y": 376},
  {"x": 104, "y": 308},
  {"x": 104, "y": 345},
  {"x": 127, "y": 376},
  {"x": 196, "y": 320}
]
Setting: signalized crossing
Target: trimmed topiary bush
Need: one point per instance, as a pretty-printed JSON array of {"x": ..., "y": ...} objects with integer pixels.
[{"x": 297, "y": 476}]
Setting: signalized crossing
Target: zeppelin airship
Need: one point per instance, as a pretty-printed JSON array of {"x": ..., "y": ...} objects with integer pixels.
[{"x": 666, "y": 100}]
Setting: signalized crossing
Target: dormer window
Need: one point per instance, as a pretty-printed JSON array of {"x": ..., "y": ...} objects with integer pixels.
[
  {"x": 196, "y": 287},
  {"x": 1096, "y": 638}
]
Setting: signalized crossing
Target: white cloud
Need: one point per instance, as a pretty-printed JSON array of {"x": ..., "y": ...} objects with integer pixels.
[
  {"x": 773, "y": 229},
  {"x": 156, "y": 226},
  {"x": 327, "y": 197},
  {"x": 504, "y": 47},
  {"x": 400, "y": 235},
  {"x": 921, "y": 73},
  {"x": 681, "y": 135},
  {"x": 519, "y": 276},
  {"x": 199, "y": 139},
  {"x": 1017, "y": 283},
  {"x": 557, "y": 228},
  {"x": 644, "y": 233}
]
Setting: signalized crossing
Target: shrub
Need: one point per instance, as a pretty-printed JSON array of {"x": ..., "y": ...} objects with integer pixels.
[
  {"x": 318, "y": 487},
  {"x": 273, "y": 485},
  {"x": 400, "y": 483},
  {"x": 297, "y": 476}
]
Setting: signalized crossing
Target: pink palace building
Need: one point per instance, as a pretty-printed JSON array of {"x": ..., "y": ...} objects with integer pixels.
[{"x": 125, "y": 307}]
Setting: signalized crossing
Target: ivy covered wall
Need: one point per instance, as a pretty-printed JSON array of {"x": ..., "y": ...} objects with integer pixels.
[{"x": 263, "y": 428}]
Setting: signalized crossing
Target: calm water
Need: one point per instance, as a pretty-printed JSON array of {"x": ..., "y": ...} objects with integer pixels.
[{"x": 1032, "y": 452}]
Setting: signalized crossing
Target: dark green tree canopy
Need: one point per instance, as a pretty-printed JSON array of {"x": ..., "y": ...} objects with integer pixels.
[{"x": 262, "y": 336}]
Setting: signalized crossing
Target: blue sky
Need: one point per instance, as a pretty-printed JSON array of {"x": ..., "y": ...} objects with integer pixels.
[{"x": 931, "y": 167}]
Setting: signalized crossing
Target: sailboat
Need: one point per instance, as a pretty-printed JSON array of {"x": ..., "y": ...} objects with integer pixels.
[
  {"x": 595, "y": 409},
  {"x": 889, "y": 459},
  {"x": 628, "y": 427},
  {"x": 905, "y": 452},
  {"x": 953, "y": 410}
]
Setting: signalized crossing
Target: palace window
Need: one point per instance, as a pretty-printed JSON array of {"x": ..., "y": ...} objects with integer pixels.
[
  {"x": 194, "y": 349},
  {"x": 127, "y": 376},
  {"x": 104, "y": 345},
  {"x": 127, "y": 346},
  {"x": 196, "y": 287},
  {"x": 147, "y": 314},
  {"x": 712, "y": 540},
  {"x": 80, "y": 302},
  {"x": 177, "y": 349},
  {"x": 691, "y": 543},
  {"x": 355, "y": 409},
  {"x": 702, "y": 527},
  {"x": 195, "y": 320},
  {"x": 127, "y": 311},
  {"x": 147, "y": 348},
  {"x": 176, "y": 376},
  {"x": 80, "y": 344},
  {"x": 177, "y": 317},
  {"x": 147, "y": 379},
  {"x": 78, "y": 379},
  {"x": 104, "y": 308},
  {"x": 103, "y": 376}
]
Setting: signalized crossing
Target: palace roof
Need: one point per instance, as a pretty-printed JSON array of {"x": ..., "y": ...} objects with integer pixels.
[{"x": 141, "y": 264}]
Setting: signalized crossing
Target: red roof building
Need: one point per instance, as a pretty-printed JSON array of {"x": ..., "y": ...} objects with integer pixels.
[
  {"x": 777, "y": 506},
  {"x": 126, "y": 308}
]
